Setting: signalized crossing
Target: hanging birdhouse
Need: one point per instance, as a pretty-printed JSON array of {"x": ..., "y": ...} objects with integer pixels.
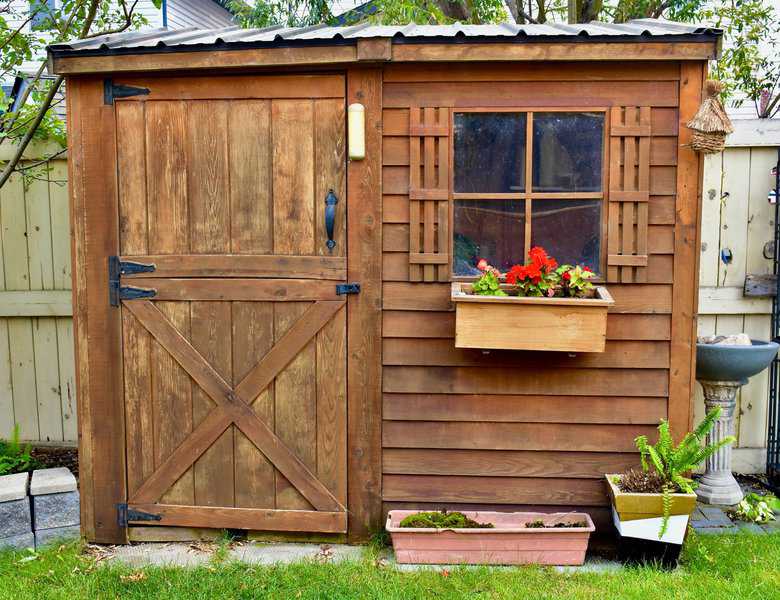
[{"x": 711, "y": 124}]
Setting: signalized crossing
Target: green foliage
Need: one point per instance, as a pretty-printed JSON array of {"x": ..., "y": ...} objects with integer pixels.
[
  {"x": 443, "y": 520},
  {"x": 755, "y": 508},
  {"x": 15, "y": 458},
  {"x": 488, "y": 285},
  {"x": 673, "y": 462}
]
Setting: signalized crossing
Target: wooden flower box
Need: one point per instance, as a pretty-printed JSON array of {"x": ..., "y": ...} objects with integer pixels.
[
  {"x": 530, "y": 323},
  {"x": 509, "y": 542}
]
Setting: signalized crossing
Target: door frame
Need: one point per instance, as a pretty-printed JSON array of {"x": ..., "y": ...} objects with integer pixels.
[{"x": 92, "y": 169}]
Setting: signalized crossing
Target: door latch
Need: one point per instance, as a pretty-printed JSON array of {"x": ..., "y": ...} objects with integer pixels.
[{"x": 347, "y": 288}]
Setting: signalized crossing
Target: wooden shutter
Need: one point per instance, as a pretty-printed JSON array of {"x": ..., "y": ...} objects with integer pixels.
[
  {"x": 429, "y": 177},
  {"x": 629, "y": 193}
]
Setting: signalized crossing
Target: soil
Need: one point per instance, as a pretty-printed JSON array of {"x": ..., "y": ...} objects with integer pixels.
[
  {"x": 539, "y": 524},
  {"x": 49, "y": 457}
]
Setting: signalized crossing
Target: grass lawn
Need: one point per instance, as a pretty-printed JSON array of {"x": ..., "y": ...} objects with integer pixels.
[{"x": 715, "y": 568}]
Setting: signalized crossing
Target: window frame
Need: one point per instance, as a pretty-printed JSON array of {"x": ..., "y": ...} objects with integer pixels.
[{"x": 528, "y": 196}]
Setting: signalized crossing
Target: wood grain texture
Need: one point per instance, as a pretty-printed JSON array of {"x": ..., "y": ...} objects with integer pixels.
[
  {"x": 505, "y": 463},
  {"x": 92, "y": 173},
  {"x": 513, "y": 436},
  {"x": 364, "y": 320},
  {"x": 686, "y": 258},
  {"x": 494, "y": 490},
  {"x": 240, "y": 265},
  {"x": 494, "y": 408}
]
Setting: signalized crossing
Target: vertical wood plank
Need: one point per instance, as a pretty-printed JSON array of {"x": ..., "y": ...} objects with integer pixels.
[
  {"x": 249, "y": 140},
  {"x": 615, "y": 184},
  {"x": 61, "y": 268},
  {"x": 529, "y": 183},
  {"x": 131, "y": 163},
  {"x": 253, "y": 337},
  {"x": 44, "y": 329},
  {"x": 332, "y": 406},
  {"x": 166, "y": 177},
  {"x": 94, "y": 218},
  {"x": 172, "y": 392},
  {"x": 686, "y": 256},
  {"x": 7, "y": 418},
  {"x": 329, "y": 160},
  {"x": 734, "y": 215},
  {"x": 293, "y": 176},
  {"x": 364, "y": 370},
  {"x": 429, "y": 175},
  {"x": 17, "y": 277},
  {"x": 415, "y": 183},
  {"x": 139, "y": 412},
  {"x": 296, "y": 404},
  {"x": 213, "y": 472},
  {"x": 207, "y": 177},
  {"x": 760, "y": 226},
  {"x": 643, "y": 184},
  {"x": 710, "y": 219},
  {"x": 629, "y": 184}
]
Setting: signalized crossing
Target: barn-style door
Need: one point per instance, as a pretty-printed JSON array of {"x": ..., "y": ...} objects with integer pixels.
[{"x": 230, "y": 279}]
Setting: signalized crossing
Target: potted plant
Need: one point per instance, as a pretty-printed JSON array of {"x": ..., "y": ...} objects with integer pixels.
[
  {"x": 539, "y": 306},
  {"x": 495, "y": 538},
  {"x": 651, "y": 507}
]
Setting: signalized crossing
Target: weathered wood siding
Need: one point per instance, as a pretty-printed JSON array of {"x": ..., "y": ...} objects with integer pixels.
[
  {"x": 516, "y": 428},
  {"x": 737, "y": 216},
  {"x": 37, "y": 388}
]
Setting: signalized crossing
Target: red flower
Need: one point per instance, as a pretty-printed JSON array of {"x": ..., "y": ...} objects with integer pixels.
[
  {"x": 567, "y": 275},
  {"x": 538, "y": 256},
  {"x": 587, "y": 269},
  {"x": 533, "y": 272},
  {"x": 516, "y": 273},
  {"x": 482, "y": 264}
]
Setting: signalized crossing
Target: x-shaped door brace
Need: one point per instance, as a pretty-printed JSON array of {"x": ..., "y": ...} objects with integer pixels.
[{"x": 234, "y": 404}]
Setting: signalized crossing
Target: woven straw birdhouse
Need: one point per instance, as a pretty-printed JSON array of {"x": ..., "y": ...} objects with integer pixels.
[{"x": 711, "y": 124}]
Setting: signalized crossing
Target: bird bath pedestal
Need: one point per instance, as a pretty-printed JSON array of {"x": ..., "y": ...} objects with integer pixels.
[{"x": 722, "y": 370}]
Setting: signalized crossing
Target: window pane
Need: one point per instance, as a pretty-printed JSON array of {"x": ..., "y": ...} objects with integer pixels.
[
  {"x": 489, "y": 152},
  {"x": 570, "y": 230},
  {"x": 568, "y": 150},
  {"x": 489, "y": 229}
]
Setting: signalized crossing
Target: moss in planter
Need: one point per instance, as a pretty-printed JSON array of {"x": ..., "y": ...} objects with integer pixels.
[
  {"x": 539, "y": 524},
  {"x": 636, "y": 481},
  {"x": 442, "y": 520}
]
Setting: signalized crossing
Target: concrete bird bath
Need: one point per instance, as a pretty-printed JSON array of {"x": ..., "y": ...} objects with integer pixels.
[{"x": 722, "y": 369}]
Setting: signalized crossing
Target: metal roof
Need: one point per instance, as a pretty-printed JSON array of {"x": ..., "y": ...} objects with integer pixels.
[{"x": 161, "y": 40}]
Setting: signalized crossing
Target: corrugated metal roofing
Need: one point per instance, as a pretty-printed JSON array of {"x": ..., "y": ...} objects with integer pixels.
[{"x": 228, "y": 37}]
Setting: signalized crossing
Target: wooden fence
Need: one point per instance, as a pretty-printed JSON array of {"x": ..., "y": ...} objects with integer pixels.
[
  {"x": 737, "y": 223},
  {"x": 37, "y": 388}
]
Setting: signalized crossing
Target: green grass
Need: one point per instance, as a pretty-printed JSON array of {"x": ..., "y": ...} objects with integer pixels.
[{"x": 715, "y": 568}]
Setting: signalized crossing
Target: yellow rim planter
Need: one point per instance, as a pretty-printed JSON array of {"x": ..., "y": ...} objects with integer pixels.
[{"x": 530, "y": 322}]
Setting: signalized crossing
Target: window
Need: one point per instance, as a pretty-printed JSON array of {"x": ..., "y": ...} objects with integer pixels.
[{"x": 499, "y": 211}]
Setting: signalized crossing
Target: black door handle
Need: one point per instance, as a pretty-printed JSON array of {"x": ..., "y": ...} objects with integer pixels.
[{"x": 330, "y": 218}]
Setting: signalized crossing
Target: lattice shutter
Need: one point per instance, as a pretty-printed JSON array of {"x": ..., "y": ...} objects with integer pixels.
[
  {"x": 429, "y": 130},
  {"x": 629, "y": 193}
]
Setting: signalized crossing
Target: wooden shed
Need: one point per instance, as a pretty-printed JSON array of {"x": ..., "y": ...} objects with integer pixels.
[{"x": 264, "y": 325}]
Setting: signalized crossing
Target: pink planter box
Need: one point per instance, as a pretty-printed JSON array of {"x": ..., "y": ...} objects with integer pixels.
[{"x": 508, "y": 543}]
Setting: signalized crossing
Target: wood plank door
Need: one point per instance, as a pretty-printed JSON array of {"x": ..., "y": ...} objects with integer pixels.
[{"x": 235, "y": 361}]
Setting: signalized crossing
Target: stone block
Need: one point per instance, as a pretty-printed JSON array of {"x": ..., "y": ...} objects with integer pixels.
[
  {"x": 13, "y": 487},
  {"x": 55, "y": 510},
  {"x": 15, "y": 517},
  {"x": 52, "y": 481},
  {"x": 18, "y": 542},
  {"x": 44, "y": 537}
]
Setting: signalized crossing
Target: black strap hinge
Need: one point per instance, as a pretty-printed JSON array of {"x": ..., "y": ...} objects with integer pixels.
[
  {"x": 117, "y": 291},
  {"x": 125, "y": 514},
  {"x": 347, "y": 288},
  {"x": 112, "y": 91}
]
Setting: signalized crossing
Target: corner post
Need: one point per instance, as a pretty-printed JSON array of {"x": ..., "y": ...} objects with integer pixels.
[{"x": 364, "y": 313}]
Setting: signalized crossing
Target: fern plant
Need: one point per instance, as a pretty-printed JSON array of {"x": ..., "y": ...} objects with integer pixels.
[
  {"x": 15, "y": 458},
  {"x": 672, "y": 462}
]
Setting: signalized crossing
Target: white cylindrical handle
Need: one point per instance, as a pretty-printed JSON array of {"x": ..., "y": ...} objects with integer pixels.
[{"x": 356, "y": 131}]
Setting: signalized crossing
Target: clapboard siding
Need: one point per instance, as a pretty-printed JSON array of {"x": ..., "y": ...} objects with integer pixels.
[
  {"x": 37, "y": 379},
  {"x": 515, "y": 429}
]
